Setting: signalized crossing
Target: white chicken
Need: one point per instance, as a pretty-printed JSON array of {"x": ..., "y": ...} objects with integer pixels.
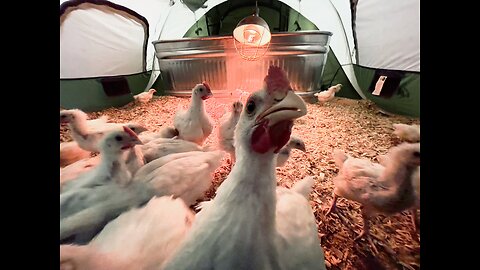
[
  {"x": 328, "y": 94},
  {"x": 98, "y": 126},
  {"x": 145, "y": 97},
  {"x": 185, "y": 175},
  {"x": 164, "y": 222},
  {"x": 78, "y": 168},
  {"x": 159, "y": 162},
  {"x": 194, "y": 124},
  {"x": 386, "y": 190},
  {"x": 87, "y": 133},
  {"x": 239, "y": 229},
  {"x": 227, "y": 128},
  {"x": 70, "y": 152},
  {"x": 284, "y": 154},
  {"x": 409, "y": 133},
  {"x": 297, "y": 220},
  {"x": 153, "y": 234},
  {"x": 416, "y": 188},
  {"x": 84, "y": 211},
  {"x": 74, "y": 257},
  {"x": 165, "y": 132},
  {"x": 297, "y": 226},
  {"x": 383, "y": 159},
  {"x": 160, "y": 147},
  {"x": 112, "y": 165},
  {"x": 89, "y": 189},
  {"x": 80, "y": 128},
  {"x": 133, "y": 158}
]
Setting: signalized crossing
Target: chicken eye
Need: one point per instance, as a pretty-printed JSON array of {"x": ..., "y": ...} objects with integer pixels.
[
  {"x": 250, "y": 106},
  {"x": 132, "y": 128},
  {"x": 118, "y": 138},
  {"x": 201, "y": 89}
]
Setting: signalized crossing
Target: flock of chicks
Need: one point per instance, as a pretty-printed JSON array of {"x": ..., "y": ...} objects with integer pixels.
[{"x": 128, "y": 207}]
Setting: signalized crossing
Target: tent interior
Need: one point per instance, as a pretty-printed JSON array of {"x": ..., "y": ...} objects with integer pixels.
[
  {"x": 360, "y": 50},
  {"x": 366, "y": 50}
]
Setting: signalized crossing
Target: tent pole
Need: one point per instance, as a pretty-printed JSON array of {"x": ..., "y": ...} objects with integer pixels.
[{"x": 154, "y": 75}]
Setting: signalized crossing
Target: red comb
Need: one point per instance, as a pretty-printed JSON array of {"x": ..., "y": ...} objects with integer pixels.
[
  {"x": 276, "y": 80},
  {"x": 130, "y": 132},
  {"x": 206, "y": 85}
]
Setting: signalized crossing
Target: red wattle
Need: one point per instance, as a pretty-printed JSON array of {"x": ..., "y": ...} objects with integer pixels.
[
  {"x": 265, "y": 138},
  {"x": 261, "y": 139}
]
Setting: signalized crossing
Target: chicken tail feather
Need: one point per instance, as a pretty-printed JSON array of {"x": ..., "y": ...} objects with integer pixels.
[
  {"x": 339, "y": 157},
  {"x": 304, "y": 186}
]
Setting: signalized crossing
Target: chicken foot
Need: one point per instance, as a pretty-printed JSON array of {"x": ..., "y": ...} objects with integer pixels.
[
  {"x": 366, "y": 231},
  {"x": 366, "y": 227}
]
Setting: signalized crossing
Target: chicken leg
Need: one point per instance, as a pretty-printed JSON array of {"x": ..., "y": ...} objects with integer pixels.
[
  {"x": 366, "y": 231},
  {"x": 366, "y": 226},
  {"x": 333, "y": 205}
]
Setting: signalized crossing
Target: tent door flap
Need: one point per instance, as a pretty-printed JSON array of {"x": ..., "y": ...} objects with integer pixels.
[
  {"x": 115, "y": 86},
  {"x": 385, "y": 83}
]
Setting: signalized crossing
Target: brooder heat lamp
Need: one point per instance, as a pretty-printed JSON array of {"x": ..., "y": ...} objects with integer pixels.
[{"x": 252, "y": 36}]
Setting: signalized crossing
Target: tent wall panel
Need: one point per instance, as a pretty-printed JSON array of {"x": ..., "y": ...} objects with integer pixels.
[
  {"x": 89, "y": 94},
  {"x": 388, "y": 34},
  {"x": 406, "y": 100},
  {"x": 113, "y": 37},
  {"x": 386, "y": 37},
  {"x": 334, "y": 74}
]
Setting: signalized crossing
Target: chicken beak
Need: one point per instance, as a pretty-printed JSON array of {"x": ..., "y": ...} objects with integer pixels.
[
  {"x": 133, "y": 136},
  {"x": 136, "y": 141},
  {"x": 302, "y": 148},
  {"x": 132, "y": 143},
  {"x": 207, "y": 95},
  {"x": 289, "y": 108}
]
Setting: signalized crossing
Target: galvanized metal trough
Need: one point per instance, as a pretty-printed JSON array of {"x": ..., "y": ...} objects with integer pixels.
[{"x": 185, "y": 62}]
